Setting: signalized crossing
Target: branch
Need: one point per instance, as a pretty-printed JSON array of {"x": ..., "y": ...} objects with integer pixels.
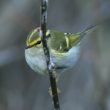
[{"x": 50, "y": 69}]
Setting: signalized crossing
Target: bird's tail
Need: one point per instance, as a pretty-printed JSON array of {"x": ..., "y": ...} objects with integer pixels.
[{"x": 89, "y": 28}]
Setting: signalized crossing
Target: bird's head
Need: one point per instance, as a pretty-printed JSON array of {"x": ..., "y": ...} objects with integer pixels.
[{"x": 34, "y": 38}]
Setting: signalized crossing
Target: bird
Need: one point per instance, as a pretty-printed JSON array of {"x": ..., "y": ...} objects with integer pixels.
[{"x": 64, "y": 49}]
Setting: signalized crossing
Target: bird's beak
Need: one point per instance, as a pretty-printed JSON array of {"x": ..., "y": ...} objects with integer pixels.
[{"x": 29, "y": 46}]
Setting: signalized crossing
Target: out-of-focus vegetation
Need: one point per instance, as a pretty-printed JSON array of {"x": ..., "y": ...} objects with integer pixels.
[{"x": 85, "y": 87}]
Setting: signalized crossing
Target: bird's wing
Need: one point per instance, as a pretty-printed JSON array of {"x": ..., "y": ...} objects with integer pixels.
[{"x": 57, "y": 41}]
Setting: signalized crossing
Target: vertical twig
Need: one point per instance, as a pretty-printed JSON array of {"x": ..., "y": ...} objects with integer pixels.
[{"x": 44, "y": 4}]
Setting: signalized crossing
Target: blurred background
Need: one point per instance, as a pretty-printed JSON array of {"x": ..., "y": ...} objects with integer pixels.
[{"x": 84, "y": 87}]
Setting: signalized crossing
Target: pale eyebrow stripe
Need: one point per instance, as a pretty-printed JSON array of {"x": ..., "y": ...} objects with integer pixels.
[{"x": 32, "y": 34}]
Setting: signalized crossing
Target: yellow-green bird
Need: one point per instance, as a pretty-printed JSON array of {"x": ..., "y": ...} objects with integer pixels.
[{"x": 64, "y": 49}]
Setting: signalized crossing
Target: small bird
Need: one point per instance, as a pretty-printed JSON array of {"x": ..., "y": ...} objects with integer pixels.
[{"x": 64, "y": 49}]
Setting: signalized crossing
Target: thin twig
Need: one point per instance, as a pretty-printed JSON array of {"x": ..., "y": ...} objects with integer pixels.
[{"x": 50, "y": 69}]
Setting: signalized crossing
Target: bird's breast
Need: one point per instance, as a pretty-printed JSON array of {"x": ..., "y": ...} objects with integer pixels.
[{"x": 36, "y": 59}]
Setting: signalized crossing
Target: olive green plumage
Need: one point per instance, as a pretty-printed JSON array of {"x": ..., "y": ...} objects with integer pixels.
[
  {"x": 64, "y": 49},
  {"x": 61, "y": 41},
  {"x": 57, "y": 40}
]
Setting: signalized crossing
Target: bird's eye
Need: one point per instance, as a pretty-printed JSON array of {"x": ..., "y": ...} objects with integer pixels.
[{"x": 38, "y": 42}]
